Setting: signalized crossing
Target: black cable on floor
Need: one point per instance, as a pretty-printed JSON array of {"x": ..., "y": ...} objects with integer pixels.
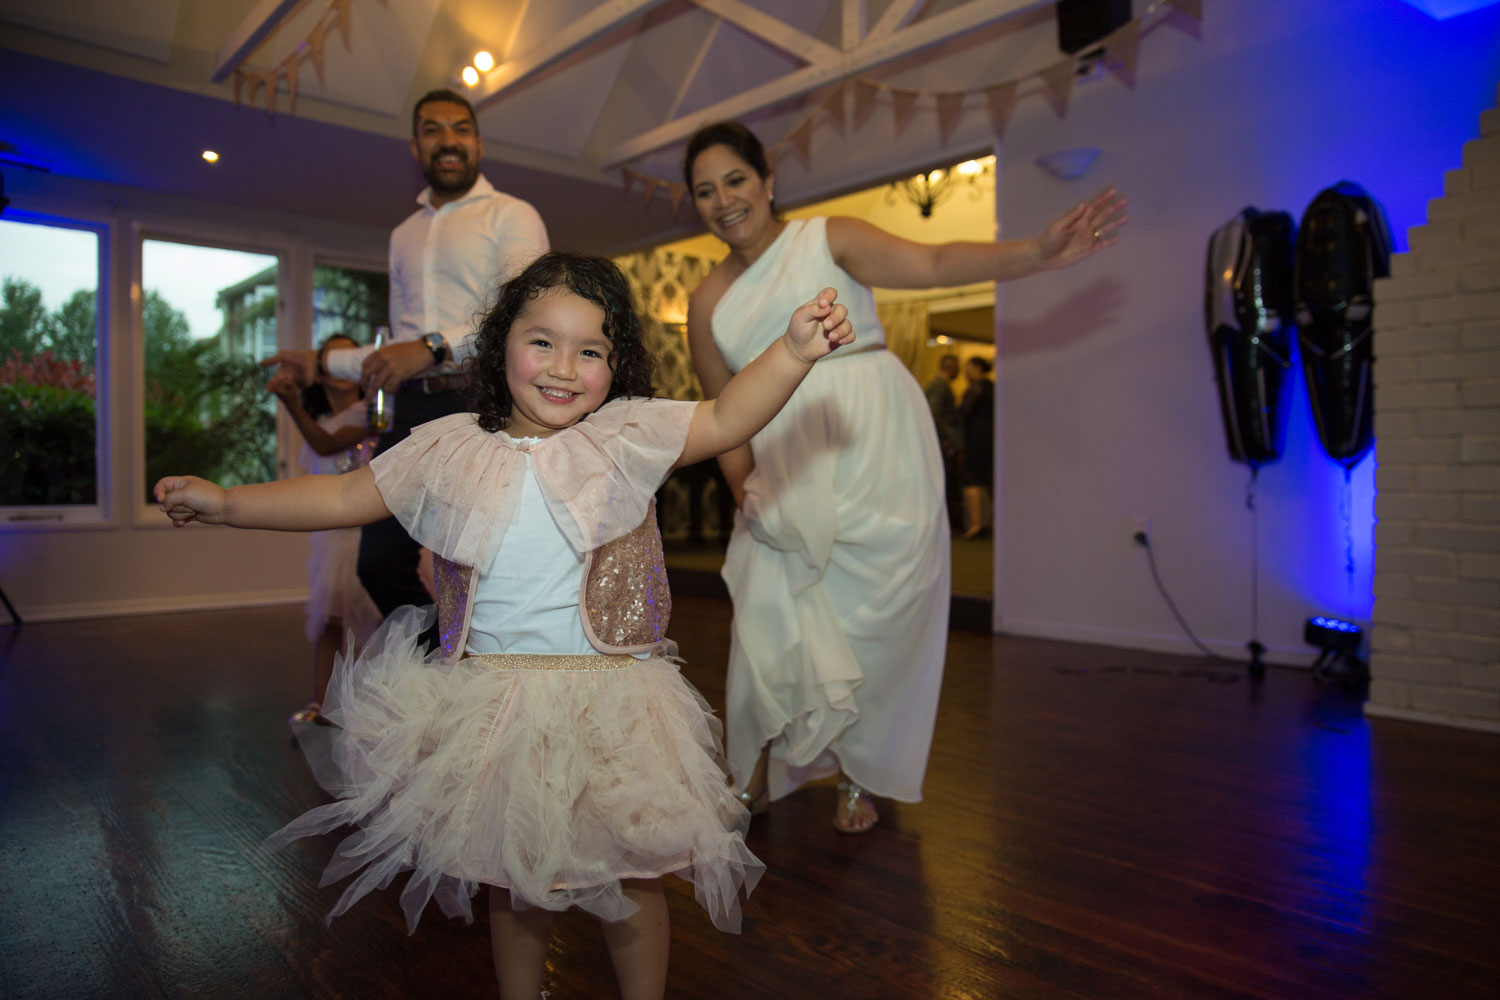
[{"x": 1144, "y": 541}]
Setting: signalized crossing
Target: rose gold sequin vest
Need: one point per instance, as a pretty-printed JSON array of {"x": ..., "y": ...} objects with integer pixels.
[{"x": 624, "y": 604}]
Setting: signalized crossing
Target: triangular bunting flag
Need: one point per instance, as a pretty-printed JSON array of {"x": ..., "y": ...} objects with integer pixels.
[
  {"x": 1121, "y": 50},
  {"x": 626, "y": 180},
  {"x": 315, "y": 49},
  {"x": 800, "y": 139},
  {"x": 256, "y": 82},
  {"x": 1002, "y": 101},
  {"x": 290, "y": 68},
  {"x": 676, "y": 192},
  {"x": 835, "y": 106},
  {"x": 864, "y": 101},
  {"x": 271, "y": 80},
  {"x": 649, "y": 184},
  {"x": 341, "y": 8},
  {"x": 904, "y": 104},
  {"x": 1192, "y": 8},
  {"x": 950, "y": 108},
  {"x": 1058, "y": 81}
]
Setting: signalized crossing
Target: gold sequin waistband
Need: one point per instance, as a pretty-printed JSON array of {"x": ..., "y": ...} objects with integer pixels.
[{"x": 542, "y": 661}]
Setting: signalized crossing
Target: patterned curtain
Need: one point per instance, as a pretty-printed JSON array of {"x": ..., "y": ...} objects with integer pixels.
[{"x": 905, "y": 329}]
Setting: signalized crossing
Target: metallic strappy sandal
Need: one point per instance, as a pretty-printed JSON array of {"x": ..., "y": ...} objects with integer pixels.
[
  {"x": 849, "y": 798},
  {"x": 757, "y": 804}
]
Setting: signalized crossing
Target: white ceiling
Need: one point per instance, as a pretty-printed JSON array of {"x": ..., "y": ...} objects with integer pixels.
[{"x": 124, "y": 90}]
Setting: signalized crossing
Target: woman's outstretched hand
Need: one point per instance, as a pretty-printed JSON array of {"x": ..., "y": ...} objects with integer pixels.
[
  {"x": 1081, "y": 231},
  {"x": 818, "y": 328},
  {"x": 188, "y": 498}
]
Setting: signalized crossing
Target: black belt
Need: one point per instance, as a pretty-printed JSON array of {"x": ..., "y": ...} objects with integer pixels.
[{"x": 434, "y": 384}]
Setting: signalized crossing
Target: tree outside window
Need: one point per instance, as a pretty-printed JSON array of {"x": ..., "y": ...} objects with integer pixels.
[
  {"x": 48, "y": 356},
  {"x": 210, "y": 316}
]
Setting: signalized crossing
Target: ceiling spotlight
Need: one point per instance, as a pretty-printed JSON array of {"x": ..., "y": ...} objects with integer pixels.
[
  {"x": 210, "y": 156},
  {"x": 471, "y": 76},
  {"x": 484, "y": 62}
]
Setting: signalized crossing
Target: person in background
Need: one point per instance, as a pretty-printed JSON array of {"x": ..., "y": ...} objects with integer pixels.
[
  {"x": 945, "y": 418},
  {"x": 978, "y": 409},
  {"x": 446, "y": 261},
  {"x": 839, "y": 563},
  {"x": 330, "y": 414}
]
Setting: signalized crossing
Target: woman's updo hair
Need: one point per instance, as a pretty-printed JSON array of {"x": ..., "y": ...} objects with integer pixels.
[
  {"x": 595, "y": 279},
  {"x": 984, "y": 366},
  {"x": 732, "y": 134}
]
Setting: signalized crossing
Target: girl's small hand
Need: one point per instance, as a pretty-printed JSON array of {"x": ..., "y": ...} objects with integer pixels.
[
  {"x": 818, "y": 328},
  {"x": 188, "y": 498},
  {"x": 283, "y": 384}
]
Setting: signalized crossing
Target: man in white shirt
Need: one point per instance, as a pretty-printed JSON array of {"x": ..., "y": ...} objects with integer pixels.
[{"x": 446, "y": 260}]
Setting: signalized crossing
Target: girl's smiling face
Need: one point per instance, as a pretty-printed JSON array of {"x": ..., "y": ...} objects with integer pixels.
[{"x": 557, "y": 363}]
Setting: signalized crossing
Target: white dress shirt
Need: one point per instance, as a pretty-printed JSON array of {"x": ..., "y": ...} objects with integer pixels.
[{"x": 445, "y": 265}]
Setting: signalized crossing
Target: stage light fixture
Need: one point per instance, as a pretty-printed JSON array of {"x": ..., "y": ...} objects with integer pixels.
[
  {"x": 484, "y": 62},
  {"x": 210, "y": 156},
  {"x": 471, "y": 76},
  {"x": 1338, "y": 643}
]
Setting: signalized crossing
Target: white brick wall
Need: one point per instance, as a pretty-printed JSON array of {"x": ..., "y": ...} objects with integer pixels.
[{"x": 1435, "y": 640}]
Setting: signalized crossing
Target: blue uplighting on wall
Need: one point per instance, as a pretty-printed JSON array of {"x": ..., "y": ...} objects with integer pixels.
[{"x": 1444, "y": 9}]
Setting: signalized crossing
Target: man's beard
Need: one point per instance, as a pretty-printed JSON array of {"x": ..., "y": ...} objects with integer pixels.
[{"x": 464, "y": 180}]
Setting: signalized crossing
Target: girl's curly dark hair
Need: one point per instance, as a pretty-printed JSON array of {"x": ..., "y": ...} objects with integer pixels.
[{"x": 596, "y": 279}]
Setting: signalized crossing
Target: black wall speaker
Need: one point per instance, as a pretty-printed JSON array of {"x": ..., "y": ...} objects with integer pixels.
[{"x": 1081, "y": 23}]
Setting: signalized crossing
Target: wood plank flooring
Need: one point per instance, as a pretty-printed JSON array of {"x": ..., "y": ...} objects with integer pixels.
[{"x": 1098, "y": 823}]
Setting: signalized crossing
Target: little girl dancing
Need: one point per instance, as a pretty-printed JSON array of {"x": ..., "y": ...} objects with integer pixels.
[
  {"x": 330, "y": 414},
  {"x": 547, "y": 747}
]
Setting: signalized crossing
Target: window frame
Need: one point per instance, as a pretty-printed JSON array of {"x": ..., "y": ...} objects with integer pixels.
[
  {"x": 145, "y": 515},
  {"x": 44, "y": 517}
]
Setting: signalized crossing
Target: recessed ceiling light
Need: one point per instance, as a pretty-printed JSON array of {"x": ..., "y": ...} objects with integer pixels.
[
  {"x": 471, "y": 76},
  {"x": 210, "y": 156},
  {"x": 484, "y": 62}
]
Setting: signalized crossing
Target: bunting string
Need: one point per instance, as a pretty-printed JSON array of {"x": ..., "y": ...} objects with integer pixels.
[
  {"x": 1121, "y": 50},
  {"x": 337, "y": 17}
]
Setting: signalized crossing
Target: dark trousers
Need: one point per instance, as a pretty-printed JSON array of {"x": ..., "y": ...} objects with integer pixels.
[{"x": 388, "y": 556}]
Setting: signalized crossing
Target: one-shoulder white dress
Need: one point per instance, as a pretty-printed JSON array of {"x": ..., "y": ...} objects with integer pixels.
[{"x": 839, "y": 560}]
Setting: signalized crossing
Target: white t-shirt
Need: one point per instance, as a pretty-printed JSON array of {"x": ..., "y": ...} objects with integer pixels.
[{"x": 526, "y": 601}]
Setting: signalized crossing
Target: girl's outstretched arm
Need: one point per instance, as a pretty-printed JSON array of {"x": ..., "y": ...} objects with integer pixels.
[
  {"x": 757, "y": 393},
  {"x": 307, "y": 503}
]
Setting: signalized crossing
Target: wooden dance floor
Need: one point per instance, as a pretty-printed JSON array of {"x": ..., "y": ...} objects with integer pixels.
[{"x": 1098, "y": 824}]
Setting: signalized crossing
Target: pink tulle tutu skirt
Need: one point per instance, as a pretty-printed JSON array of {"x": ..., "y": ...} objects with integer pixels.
[{"x": 554, "y": 782}]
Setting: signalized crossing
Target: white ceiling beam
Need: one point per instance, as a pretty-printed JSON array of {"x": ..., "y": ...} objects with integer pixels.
[
  {"x": 897, "y": 15},
  {"x": 874, "y": 52},
  {"x": 692, "y": 72},
  {"x": 515, "y": 30},
  {"x": 260, "y": 22},
  {"x": 599, "y": 21},
  {"x": 778, "y": 33},
  {"x": 854, "y": 23}
]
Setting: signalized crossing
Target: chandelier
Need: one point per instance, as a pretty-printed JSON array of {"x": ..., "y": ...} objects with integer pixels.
[{"x": 927, "y": 191}]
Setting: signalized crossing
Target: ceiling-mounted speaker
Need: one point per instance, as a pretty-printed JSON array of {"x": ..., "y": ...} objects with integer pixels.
[{"x": 1081, "y": 23}]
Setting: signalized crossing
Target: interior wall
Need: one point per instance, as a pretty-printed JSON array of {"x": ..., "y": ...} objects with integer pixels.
[
  {"x": 132, "y": 561},
  {"x": 1108, "y": 404}
]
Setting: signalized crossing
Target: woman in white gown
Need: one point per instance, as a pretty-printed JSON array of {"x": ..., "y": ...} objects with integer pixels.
[{"x": 839, "y": 562}]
